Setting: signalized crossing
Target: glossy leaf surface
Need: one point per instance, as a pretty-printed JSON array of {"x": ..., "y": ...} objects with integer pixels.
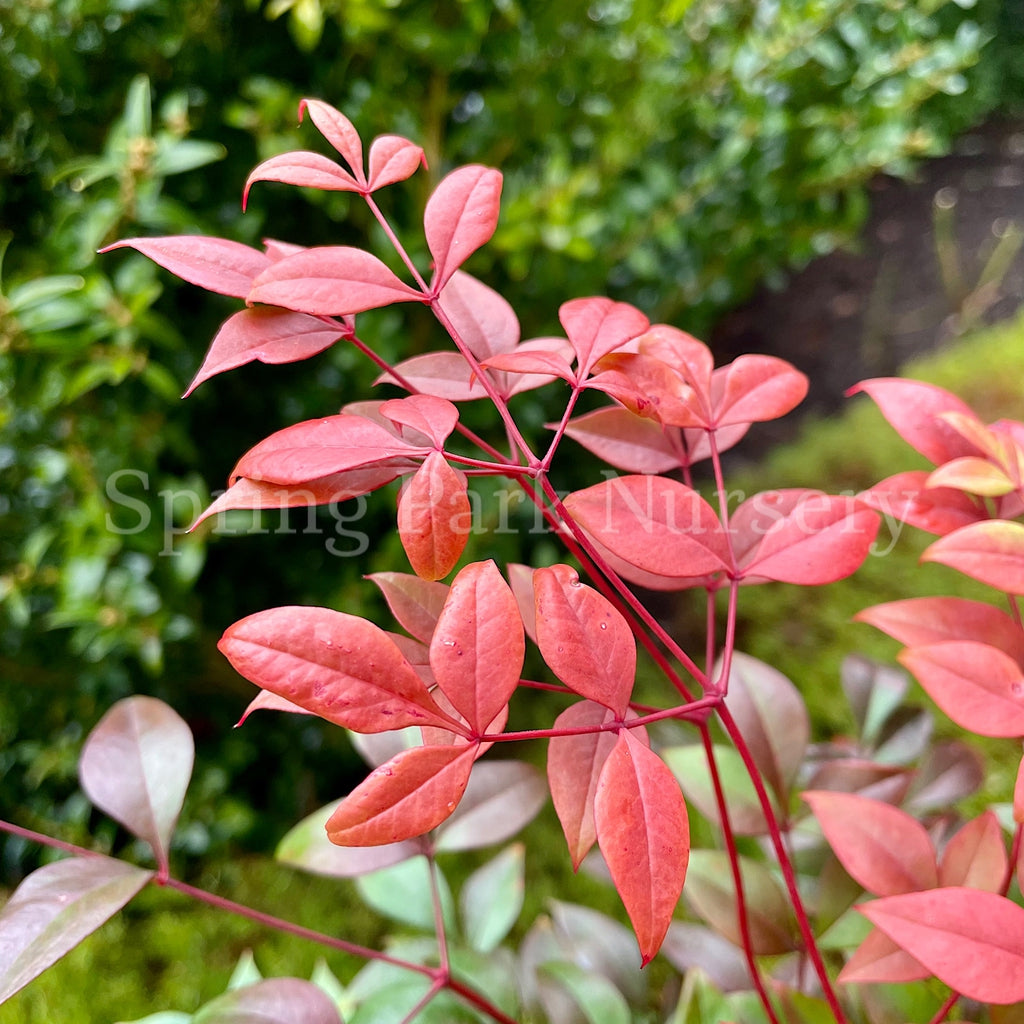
[
  {"x": 55, "y": 908},
  {"x": 334, "y": 665},
  {"x": 136, "y": 766},
  {"x": 584, "y": 640},
  {"x": 409, "y": 795},
  {"x": 644, "y": 835}
]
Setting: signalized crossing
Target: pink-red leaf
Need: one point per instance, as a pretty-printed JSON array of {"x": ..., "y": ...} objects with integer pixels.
[
  {"x": 302, "y": 168},
  {"x": 574, "y": 767},
  {"x": 549, "y": 363},
  {"x": 268, "y": 335},
  {"x": 914, "y": 409},
  {"x": 976, "y": 856},
  {"x": 461, "y": 216},
  {"x": 483, "y": 319},
  {"x": 972, "y": 941},
  {"x": 644, "y": 835},
  {"x": 879, "y": 960},
  {"x": 918, "y": 621},
  {"x": 430, "y": 416},
  {"x": 334, "y": 665},
  {"x": 314, "y": 449},
  {"x": 338, "y": 130},
  {"x": 392, "y": 159},
  {"x": 882, "y": 848},
  {"x": 627, "y": 441},
  {"x": 583, "y": 638},
  {"x": 478, "y": 645},
  {"x": 434, "y": 517},
  {"x": 444, "y": 374},
  {"x": 259, "y": 494},
  {"x": 657, "y": 524},
  {"x": 596, "y": 326},
  {"x": 977, "y": 686},
  {"x": 757, "y": 388},
  {"x": 334, "y": 280},
  {"x": 55, "y": 908},
  {"x": 136, "y": 766},
  {"x": 821, "y": 539},
  {"x": 991, "y": 552},
  {"x": 216, "y": 264},
  {"x": 409, "y": 795},
  {"x": 415, "y": 603},
  {"x": 907, "y": 498}
]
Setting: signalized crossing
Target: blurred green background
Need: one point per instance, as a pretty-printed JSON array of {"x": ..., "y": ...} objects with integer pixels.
[{"x": 676, "y": 155}]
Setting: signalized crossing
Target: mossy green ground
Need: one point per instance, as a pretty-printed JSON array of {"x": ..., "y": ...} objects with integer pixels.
[{"x": 165, "y": 952}]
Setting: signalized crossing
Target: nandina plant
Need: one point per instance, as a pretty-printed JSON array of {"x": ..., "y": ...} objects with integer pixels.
[{"x": 729, "y": 739}]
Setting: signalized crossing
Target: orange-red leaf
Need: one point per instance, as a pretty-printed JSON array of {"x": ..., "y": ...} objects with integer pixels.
[
  {"x": 755, "y": 388},
  {"x": 976, "y": 856},
  {"x": 334, "y": 665},
  {"x": 583, "y": 638},
  {"x": 644, "y": 835},
  {"x": 878, "y": 960},
  {"x": 409, "y": 795},
  {"x": 596, "y": 326},
  {"x": 414, "y": 602},
  {"x": 434, "y": 517},
  {"x": 883, "y": 848},
  {"x": 478, "y": 645},
  {"x": 907, "y": 498}
]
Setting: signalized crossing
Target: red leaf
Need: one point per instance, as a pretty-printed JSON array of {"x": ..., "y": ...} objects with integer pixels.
[
  {"x": 1018, "y": 795},
  {"x": 414, "y": 602},
  {"x": 302, "y": 168},
  {"x": 267, "y": 335},
  {"x": 596, "y": 326},
  {"x": 583, "y": 638},
  {"x": 433, "y": 417},
  {"x": 976, "y": 856},
  {"x": 882, "y": 848},
  {"x": 627, "y": 441},
  {"x": 478, "y": 647},
  {"x": 644, "y": 835},
  {"x": 216, "y": 264},
  {"x": 879, "y": 960},
  {"x": 461, "y": 216},
  {"x": 650, "y": 388},
  {"x": 972, "y": 941},
  {"x": 821, "y": 539},
  {"x": 328, "y": 490},
  {"x": 574, "y": 767},
  {"x": 334, "y": 280},
  {"x": 434, "y": 517},
  {"x": 991, "y": 552},
  {"x": 659, "y": 525},
  {"x": 977, "y": 686},
  {"x": 267, "y": 701},
  {"x": 549, "y": 363},
  {"x": 337, "y": 129},
  {"x": 443, "y": 374},
  {"x": 409, "y": 795},
  {"x": 484, "y": 320},
  {"x": 757, "y": 388},
  {"x": 918, "y": 621},
  {"x": 334, "y": 665},
  {"x": 907, "y": 498},
  {"x": 392, "y": 159},
  {"x": 913, "y": 409},
  {"x": 314, "y": 449}
]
